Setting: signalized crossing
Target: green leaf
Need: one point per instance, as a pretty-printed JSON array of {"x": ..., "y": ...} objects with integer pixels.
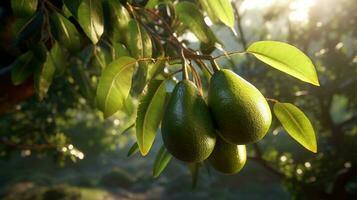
[
  {"x": 133, "y": 149},
  {"x": 31, "y": 28},
  {"x": 161, "y": 161},
  {"x": 72, "y": 6},
  {"x": 120, "y": 50},
  {"x": 119, "y": 19},
  {"x": 103, "y": 56},
  {"x": 22, "y": 68},
  {"x": 44, "y": 76},
  {"x": 90, "y": 17},
  {"x": 296, "y": 124},
  {"x": 65, "y": 32},
  {"x": 190, "y": 15},
  {"x": 140, "y": 44},
  {"x": 155, "y": 69},
  {"x": 24, "y": 8},
  {"x": 82, "y": 78},
  {"x": 285, "y": 58},
  {"x": 209, "y": 11},
  {"x": 222, "y": 9},
  {"x": 149, "y": 114},
  {"x": 153, "y": 3},
  {"x": 114, "y": 85}
]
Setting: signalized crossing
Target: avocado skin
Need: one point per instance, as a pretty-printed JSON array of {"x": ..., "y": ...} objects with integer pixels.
[
  {"x": 240, "y": 111},
  {"x": 187, "y": 128},
  {"x": 228, "y": 158}
]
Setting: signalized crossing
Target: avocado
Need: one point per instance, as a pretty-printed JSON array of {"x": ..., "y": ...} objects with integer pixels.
[
  {"x": 240, "y": 111},
  {"x": 228, "y": 158},
  {"x": 187, "y": 128}
]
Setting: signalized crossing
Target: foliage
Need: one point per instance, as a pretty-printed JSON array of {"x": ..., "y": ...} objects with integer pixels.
[{"x": 67, "y": 50}]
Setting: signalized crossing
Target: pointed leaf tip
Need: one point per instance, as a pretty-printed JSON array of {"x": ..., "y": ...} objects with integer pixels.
[
  {"x": 296, "y": 124},
  {"x": 161, "y": 161},
  {"x": 149, "y": 114},
  {"x": 286, "y": 58}
]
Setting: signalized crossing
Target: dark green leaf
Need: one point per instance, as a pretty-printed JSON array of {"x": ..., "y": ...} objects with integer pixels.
[
  {"x": 133, "y": 149},
  {"x": 161, "y": 161},
  {"x": 149, "y": 114},
  {"x": 296, "y": 124},
  {"x": 65, "y": 32},
  {"x": 22, "y": 68},
  {"x": 82, "y": 78},
  {"x": 285, "y": 58},
  {"x": 39, "y": 52},
  {"x": 24, "y": 8},
  {"x": 72, "y": 6},
  {"x": 114, "y": 85},
  {"x": 90, "y": 17},
  {"x": 30, "y": 28},
  {"x": 190, "y": 15},
  {"x": 119, "y": 21}
]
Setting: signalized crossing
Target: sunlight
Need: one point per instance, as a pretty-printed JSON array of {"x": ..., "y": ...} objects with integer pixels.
[
  {"x": 300, "y": 10},
  {"x": 256, "y": 4}
]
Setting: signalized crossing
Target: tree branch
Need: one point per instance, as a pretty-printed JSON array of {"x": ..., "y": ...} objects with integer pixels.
[
  {"x": 37, "y": 147},
  {"x": 259, "y": 159}
]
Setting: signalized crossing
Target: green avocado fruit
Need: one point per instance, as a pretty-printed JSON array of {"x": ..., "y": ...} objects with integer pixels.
[
  {"x": 187, "y": 128},
  {"x": 228, "y": 158},
  {"x": 240, "y": 111}
]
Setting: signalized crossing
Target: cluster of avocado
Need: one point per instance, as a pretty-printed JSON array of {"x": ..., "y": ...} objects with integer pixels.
[{"x": 237, "y": 114}]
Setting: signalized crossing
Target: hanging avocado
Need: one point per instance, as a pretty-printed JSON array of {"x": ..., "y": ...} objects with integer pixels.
[
  {"x": 228, "y": 158},
  {"x": 187, "y": 127},
  {"x": 240, "y": 111}
]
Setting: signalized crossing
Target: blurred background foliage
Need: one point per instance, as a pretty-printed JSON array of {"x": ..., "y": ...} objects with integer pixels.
[{"x": 62, "y": 148}]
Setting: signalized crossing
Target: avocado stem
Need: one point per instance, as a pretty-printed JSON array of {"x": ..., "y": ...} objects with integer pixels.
[
  {"x": 184, "y": 66},
  {"x": 214, "y": 65}
]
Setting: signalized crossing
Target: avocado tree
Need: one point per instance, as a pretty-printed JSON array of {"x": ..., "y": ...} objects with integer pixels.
[{"x": 107, "y": 53}]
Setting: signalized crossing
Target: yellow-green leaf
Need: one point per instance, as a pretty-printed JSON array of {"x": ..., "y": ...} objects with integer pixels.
[
  {"x": 285, "y": 58},
  {"x": 190, "y": 15},
  {"x": 296, "y": 124},
  {"x": 140, "y": 44},
  {"x": 44, "y": 76},
  {"x": 222, "y": 9},
  {"x": 120, "y": 50},
  {"x": 149, "y": 114},
  {"x": 90, "y": 17},
  {"x": 209, "y": 11},
  {"x": 114, "y": 85},
  {"x": 161, "y": 161}
]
